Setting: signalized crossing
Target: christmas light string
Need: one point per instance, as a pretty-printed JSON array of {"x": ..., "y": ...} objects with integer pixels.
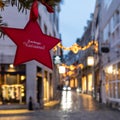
[
  {"x": 75, "y": 48},
  {"x": 73, "y": 67}
]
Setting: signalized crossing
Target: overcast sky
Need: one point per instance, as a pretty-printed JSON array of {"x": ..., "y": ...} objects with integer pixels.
[{"x": 73, "y": 18}]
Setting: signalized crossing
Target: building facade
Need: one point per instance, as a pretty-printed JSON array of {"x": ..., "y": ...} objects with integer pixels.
[
  {"x": 110, "y": 60},
  {"x": 30, "y": 79}
]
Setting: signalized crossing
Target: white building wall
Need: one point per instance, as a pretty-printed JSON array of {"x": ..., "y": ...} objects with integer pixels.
[
  {"x": 31, "y": 81},
  {"x": 14, "y": 19}
]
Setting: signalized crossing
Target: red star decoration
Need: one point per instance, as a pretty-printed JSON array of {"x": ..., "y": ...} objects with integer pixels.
[{"x": 31, "y": 43}]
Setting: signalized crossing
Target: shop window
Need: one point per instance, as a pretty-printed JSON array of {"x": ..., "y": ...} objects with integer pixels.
[
  {"x": 118, "y": 71},
  {"x": 107, "y": 89},
  {"x": 114, "y": 90},
  {"x": 111, "y": 72},
  {"x": 13, "y": 81},
  {"x": 110, "y": 90},
  {"x": 114, "y": 72},
  {"x": 71, "y": 83},
  {"x": 118, "y": 90},
  {"x": 108, "y": 73},
  {"x": 45, "y": 86},
  {"x": 90, "y": 82},
  {"x": 84, "y": 84},
  {"x": 76, "y": 83},
  {"x": 12, "y": 93}
]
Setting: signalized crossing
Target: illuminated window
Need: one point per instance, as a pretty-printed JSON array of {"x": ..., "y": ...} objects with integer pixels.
[
  {"x": 84, "y": 84},
  {"x": 119, "y": 89},
  {"x": 90, "y": 82}
]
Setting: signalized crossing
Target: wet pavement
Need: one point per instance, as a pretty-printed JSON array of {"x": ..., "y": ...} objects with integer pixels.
[
  {"x": 73, "y": 106},
  {"x": 73, "y": 101}
]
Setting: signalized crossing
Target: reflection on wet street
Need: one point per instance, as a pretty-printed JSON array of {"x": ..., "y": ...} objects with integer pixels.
[
  {"x": 73, "y": 106},
  {"x": 66, "y": 100},
  {"x": 72, "y": 100}
]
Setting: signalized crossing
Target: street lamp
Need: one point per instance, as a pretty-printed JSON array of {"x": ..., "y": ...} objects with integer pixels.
[
  {"x": 91, "y": 62},
  {"x": 62, "y": 70}
]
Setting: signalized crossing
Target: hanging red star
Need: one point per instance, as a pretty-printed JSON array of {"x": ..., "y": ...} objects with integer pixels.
[{"x": 32, "y": 44}]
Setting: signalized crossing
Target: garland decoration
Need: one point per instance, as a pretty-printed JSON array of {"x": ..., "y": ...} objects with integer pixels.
[{"x": 75, "y": 48}]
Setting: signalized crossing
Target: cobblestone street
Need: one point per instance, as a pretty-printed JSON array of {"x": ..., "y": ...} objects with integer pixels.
[{"x": 77, "y": 107}]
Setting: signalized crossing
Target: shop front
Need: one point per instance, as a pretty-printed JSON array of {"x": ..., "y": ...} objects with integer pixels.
[
  {"x": 12, "y": 84},
  {"x": 112, "y": 82},
  {"x": 73, "y": 83},
  {"x": 90, "y": 84},
  {"x": 84, "y": 84}
]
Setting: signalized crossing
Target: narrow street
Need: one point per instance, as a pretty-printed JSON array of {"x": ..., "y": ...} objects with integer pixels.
[
  {"x": 73, "y": 106},
  {"x": 73, "y": 101}
]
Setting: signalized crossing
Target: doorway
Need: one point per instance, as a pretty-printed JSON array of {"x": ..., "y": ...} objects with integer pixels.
[{"x": 39, "y": 89}]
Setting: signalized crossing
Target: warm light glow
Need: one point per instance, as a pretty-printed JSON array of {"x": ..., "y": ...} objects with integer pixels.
[
  {"x": 61, "y": 69},
  {"x": 66, "y": 100},
  {"x": 11, "y": 66},
  {"x": 75, "y": 48},
  {"x": 71, "y": 83},
  {"x": 22, "y": 94},
  {"x": 78, "y": 90},
  {"x": 72, "y": 67},
  {"x": 84, "y": 83},
  {"x": 110, "y": 69},
  {"x": 22, "y": 77},
  {"x": 9, "y": 91},
  {"x": 14, "y": 111},
  {"x": 22, "y": 90},
  {"x": 76, "y": 82},
  {"x": 90, "y": 82},
  {"x": 90, "y": 61},
  {"x": 70, "y": 73}
]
